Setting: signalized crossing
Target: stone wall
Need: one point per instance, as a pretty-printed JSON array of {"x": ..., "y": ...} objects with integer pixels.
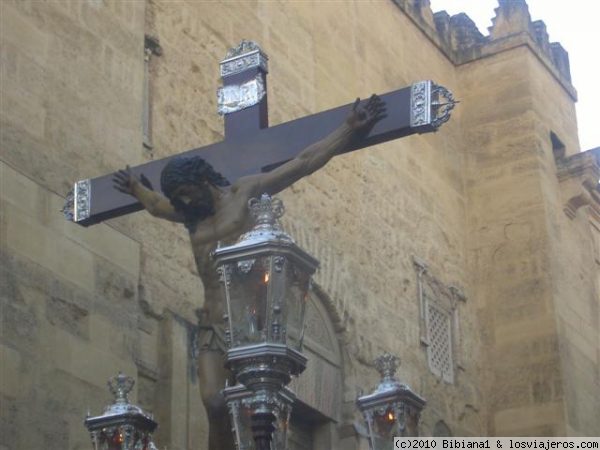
[
  {"x": 482, "y": 202},
  {"x": 575, "y": 252},
  {"x": 512, "y": 280},
  {"x": 532, "y": 266},
  {"x": 76, "y": 306}
]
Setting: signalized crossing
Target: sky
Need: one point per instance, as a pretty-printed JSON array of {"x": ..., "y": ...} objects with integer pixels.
[{"x": 572, "y": 23}]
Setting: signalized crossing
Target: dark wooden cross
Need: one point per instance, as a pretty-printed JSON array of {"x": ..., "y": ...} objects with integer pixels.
[{"x": 251, "y": 146}]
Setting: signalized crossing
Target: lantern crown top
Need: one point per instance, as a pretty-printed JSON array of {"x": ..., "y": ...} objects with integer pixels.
[
  {"x": 390, "y": 390},
  {"x": 266, "y": 212},
  {"x": 121, "y": 412},
  {"x": 386, "y": 365},
  {"x": 265, "y": 238},
  {"x": 120, "y": 386}
]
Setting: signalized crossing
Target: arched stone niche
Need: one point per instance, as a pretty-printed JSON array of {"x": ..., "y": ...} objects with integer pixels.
[
  {"x": 440, "y": 429},
  {"x": 319, "y": 387}
]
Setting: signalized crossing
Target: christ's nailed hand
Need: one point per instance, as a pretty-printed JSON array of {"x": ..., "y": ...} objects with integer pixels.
[
  {"x": 125, "y": 181},
  {"x": 364, "y": 116}
]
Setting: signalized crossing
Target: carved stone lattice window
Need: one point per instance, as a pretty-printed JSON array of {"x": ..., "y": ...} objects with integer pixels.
[
  {"x": 439, "y": 336},
  {"x": 439, "y": 324}
]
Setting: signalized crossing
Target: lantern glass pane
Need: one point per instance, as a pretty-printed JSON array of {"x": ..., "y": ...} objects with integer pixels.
[
  {"x": 296, "y": 299},
  {"x": 385, "y": 422},
  {"x": 111, "y": 439},
  {"x": 241, "y": 414},
  {"x": 247, "y": 285},
  {"x": 281, "y": 431},
  {"x": 384, "y": 429},
  {"x": 121, "y": 438},
  {"x": 277, "y": 307},
  {"x": 143, "y": 443},
  {"x": 384, "y": 443},
  {"x": 243, "y": 426}
]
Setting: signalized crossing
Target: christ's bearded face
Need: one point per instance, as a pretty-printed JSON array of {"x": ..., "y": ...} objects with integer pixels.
[
  {"x": 190, "y": 184},
  {"x": 194, "y": 201}
]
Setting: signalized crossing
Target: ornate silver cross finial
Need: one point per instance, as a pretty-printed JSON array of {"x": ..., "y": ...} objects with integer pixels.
[
  {"x": 68, "y": 209},
  {"x": 442, "y": 104},
  {"x": 120, "y": 386},
  {"x": 245, "y": 46},
  {"x": 246, "y": 55},
  {"x": 430, "y": 105},
  {"x": 386, "y": 365},
  {"x": 77, "y": 202}
]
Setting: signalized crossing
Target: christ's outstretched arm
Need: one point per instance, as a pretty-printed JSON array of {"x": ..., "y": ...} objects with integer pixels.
[
  {"x": 156, "y": 204},
  {"x": 359, "y": 122}
]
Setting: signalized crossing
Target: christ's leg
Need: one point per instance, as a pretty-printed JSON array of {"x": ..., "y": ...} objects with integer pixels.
[{"x": 212, "y": 376}]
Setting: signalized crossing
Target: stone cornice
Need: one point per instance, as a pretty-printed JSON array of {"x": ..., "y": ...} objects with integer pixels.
[
  {"x": 583, "y": 165},
  {"x": 578, "y": 176}
]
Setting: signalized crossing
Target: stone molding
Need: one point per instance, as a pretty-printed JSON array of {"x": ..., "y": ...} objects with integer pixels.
[{"x": 578, "y": 176}]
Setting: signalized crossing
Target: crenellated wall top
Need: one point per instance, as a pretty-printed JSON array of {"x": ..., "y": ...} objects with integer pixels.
[{"x": 461, "y": 41}]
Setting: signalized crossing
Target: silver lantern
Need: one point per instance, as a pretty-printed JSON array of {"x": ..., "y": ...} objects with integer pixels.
[
  {"x": 392, "y": 409},
  {"x": 265, "y": 277},
  {"x": 122, "y": 426}
]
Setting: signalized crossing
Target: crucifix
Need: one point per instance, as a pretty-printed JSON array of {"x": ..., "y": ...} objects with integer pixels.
[
  {"x": 251, "y": 146},
  {"x": 208, "y": 188}
]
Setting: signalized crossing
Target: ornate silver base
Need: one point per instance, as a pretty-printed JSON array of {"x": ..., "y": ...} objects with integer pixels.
[
  {"x": 265, "y": 369},
  {"x": 265, "y": 366}
]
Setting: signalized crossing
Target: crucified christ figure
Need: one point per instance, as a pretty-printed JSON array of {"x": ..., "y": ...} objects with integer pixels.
[{"x": 212, "y": 210}]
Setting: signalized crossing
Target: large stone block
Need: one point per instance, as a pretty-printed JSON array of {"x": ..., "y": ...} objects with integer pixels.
[
  {"x": 10, "y": 369},
  {"x": 9, "y": 429},
  {"x": 20, "y": 325},
  {"x": 24, "y": 110},
  {"x": 22, "y": 30},
  {"x": 88, "y": 361},
  {"x": 526, "y": 420},
  {"x": 44, "y": 207},
  {"x": 68, "y": 316}
]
